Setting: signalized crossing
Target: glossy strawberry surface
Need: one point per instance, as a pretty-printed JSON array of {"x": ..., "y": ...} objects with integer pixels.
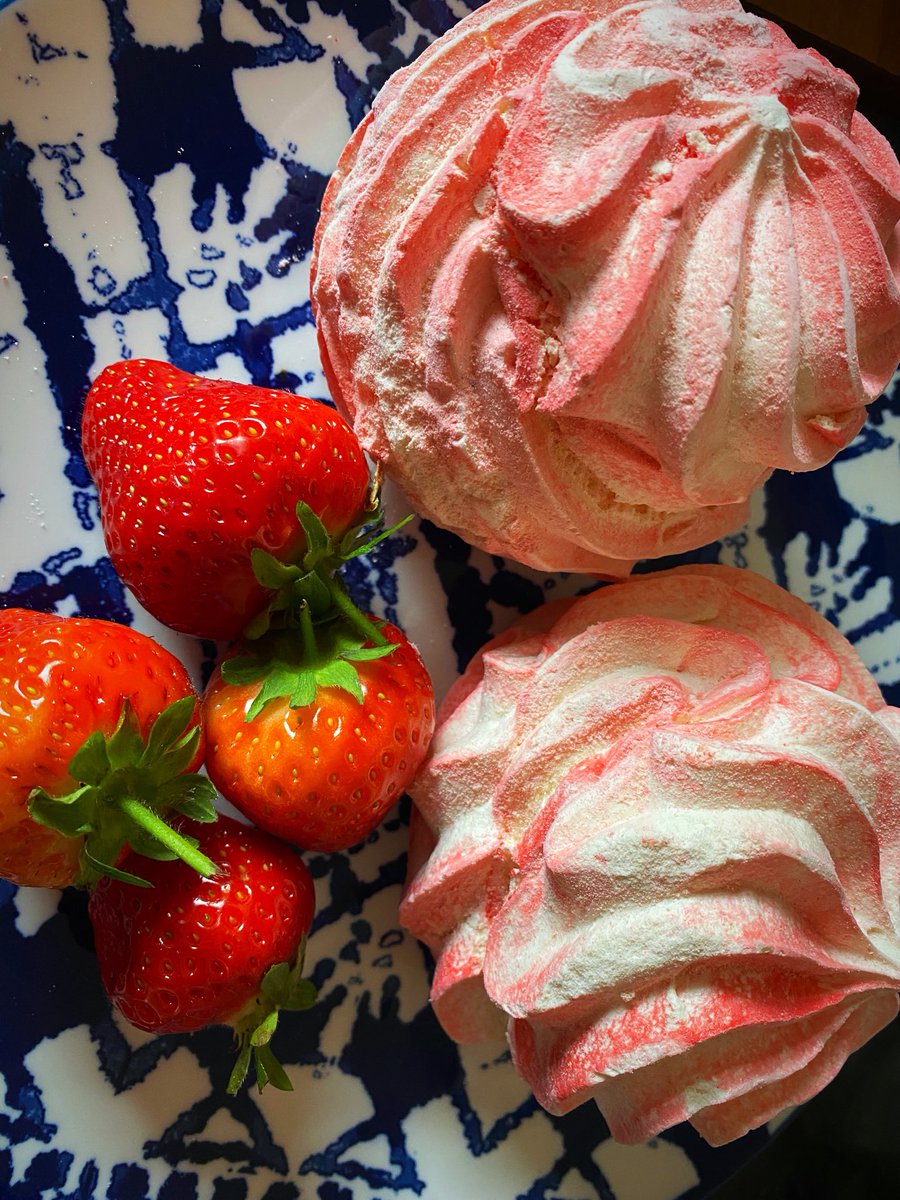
[
  {"x": 323, "y": 775},
  {"x": 193, "y": 473},
  {"x": 191, "y": 952},
  {"x": 61, "y": 680}
]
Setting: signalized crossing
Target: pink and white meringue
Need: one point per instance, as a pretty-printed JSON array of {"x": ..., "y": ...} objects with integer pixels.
[
  {"x": 589, "y": 271},
  {"x": 657, "y": 843}
]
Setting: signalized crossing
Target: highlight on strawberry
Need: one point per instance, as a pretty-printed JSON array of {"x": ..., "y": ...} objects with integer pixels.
[
  {"x": 193, "y": 952},
  {"x": 99, "y": 741},
  {"x": 195, "y": 474}
]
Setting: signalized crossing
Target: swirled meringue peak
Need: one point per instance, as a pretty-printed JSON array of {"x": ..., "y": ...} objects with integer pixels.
[
  {"x": 589, "y": 271},
  {"x": 657, "y": 844}
]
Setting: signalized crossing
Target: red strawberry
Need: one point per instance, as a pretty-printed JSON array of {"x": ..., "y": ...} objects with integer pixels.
[
  {"x": 335, "y": 732},
  {"x": 98, "y": 731},
  {"x": 193, "y": 952},
  {"x": 194, "y": 473}
]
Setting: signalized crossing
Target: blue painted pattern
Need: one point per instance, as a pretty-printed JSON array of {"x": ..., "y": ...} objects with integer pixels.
[{"x": 382, "y": 1095}]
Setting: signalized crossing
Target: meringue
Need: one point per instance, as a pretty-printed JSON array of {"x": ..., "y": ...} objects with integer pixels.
[
  {"x": 589, "y": 271},
  {"x": 656, "y": 842}
]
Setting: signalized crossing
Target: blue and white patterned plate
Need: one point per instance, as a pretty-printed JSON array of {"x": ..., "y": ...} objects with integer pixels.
[{"x": 161, "y": 166}]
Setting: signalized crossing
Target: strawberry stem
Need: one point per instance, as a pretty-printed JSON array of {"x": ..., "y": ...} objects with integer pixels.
[
  {"x": 180, "y": 846},
  {"x": 357, "y": 619},
  {"x": 307, "y": 634}
]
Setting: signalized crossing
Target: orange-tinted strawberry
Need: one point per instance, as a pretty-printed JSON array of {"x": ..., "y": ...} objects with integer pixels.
[
  {"x": 98, "y": 739},
  {"x": 335, "y": 734},
  {"x": 195, "y": 473}
]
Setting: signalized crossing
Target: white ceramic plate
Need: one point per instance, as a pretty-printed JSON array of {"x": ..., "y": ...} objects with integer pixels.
[{"x": 161, "y": 164}]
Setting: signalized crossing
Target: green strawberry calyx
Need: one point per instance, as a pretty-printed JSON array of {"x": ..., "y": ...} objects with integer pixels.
[
  {"x": 283, "y": 988},
  {"x": 125, "y": 786},
  {"x": 313, "y": 584},
  {"x": 311, "y": 635},
  {"x": 295, "y": 664}
]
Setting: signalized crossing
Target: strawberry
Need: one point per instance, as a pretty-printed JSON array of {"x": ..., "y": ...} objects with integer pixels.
[
  {"x": 315, "y": 740},
  {"x": 98, "y": 736},
  {"x": 194, "y": 473},
  {"x": 193, "y": 952}
]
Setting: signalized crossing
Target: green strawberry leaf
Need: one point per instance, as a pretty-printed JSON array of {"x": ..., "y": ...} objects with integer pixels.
[
  {"x": 312, "y": 590},
  {"x": 302, "y": 995},
  {"x": 168, "y": 727},
  {"x": 283, "y": 985},
  {"x": 177, "y": 758},
  {"x": 245, "y": 668},
  {"x": 98, "y": 867},
  {"x": 318, "y": 540},
  {"x": 262, "y": 1034},
  {"x": 367, "y": 653},
  {"x": 240, "y": 1069},
  {"x": 281, "y": 682},
  {"x": 262, "y": 1075},
  {"x": 304, "y": 691},
  {"x": 270, "y": 571},
  {"x": 125, "y": 746},
  {"x": 270, "y": 1070},
  {"x": 276, "y": 982},
  {"x": 259, "y": 625},
  {"x": 340, "y": 674},
  {"x": 191, "y": 795},
  {"x": 70, "y": 815},
  {"x": 90, "y": 762}
]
